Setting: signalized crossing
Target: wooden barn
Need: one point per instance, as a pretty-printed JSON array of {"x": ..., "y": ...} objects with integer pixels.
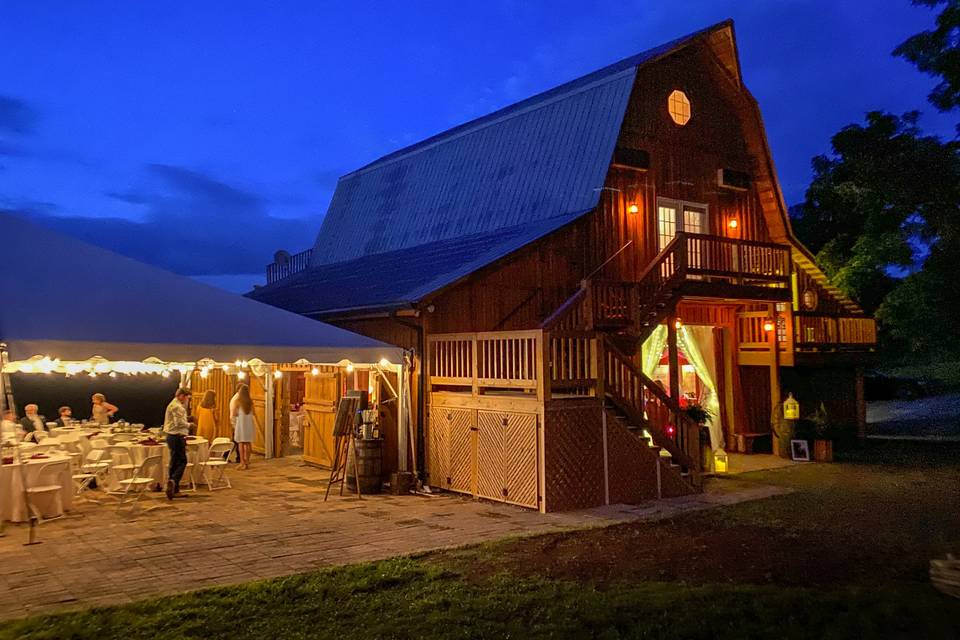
[{"x": 572, "y": 272}]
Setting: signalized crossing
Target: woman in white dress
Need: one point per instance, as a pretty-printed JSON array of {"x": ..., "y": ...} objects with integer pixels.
[{"x": 241, "y": 414}]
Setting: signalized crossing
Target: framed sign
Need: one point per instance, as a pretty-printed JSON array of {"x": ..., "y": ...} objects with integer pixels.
[{"x": 800, "y": 450}]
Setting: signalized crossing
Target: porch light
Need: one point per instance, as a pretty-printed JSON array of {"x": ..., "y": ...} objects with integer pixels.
[
  {"x": 315, "y": 371},
  {"x": 733, "y": 223},
  {"x": 791, "y": 408},
  {"x": 634, "y": 209},
  {"x": 677, "y": 323},
  {"x": 768, "y": 325}
]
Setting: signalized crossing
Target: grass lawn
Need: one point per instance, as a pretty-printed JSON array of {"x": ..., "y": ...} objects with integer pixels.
[{"x": 844, "y": 556}]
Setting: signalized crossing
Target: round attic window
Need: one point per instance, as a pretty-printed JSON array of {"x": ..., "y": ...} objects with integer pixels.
[{"x": 678, "y": 104}]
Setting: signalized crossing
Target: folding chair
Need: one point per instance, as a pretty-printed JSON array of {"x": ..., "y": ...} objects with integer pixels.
[
  {"x": 45, "y": 486},
  {"x": 214, "y": 467},
  {"x": 121, "y": 461},
  {"x": 133, "y": 488}
]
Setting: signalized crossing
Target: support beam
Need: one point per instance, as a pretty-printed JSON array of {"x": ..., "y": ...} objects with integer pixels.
[
  {"x": 674, "y": 357},
  {"x": 774, "y": 364}
]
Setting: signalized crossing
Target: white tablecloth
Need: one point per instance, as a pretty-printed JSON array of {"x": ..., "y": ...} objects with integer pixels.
[{"x": 12, "y": 505}]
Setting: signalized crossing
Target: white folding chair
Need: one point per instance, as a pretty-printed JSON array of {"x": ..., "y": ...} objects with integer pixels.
[
  {"x": 214, "y": 467},
  {"x": 132, "y": 489},
  {"x": 40, "y": 435},
  {"x": 46, "y": 486},
  {"x": 122, "y": 465},
  {"x": 99, "y": 443}
]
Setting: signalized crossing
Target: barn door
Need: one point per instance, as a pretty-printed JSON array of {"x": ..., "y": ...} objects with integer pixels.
[
  {"x": 321, "y": 393},
  {"x": 507, "y": 457},
  {"x": 259, "y": 397},
  {"x": 452, "y": 449}
]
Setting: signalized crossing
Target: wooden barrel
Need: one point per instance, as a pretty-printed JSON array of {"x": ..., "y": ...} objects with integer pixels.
[{"x": 369, "y": 466}]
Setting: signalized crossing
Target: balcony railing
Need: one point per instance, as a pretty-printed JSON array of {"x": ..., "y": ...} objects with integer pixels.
[
  {"x": 819, "y": 332},
  {"x": 286, "y": 265}
]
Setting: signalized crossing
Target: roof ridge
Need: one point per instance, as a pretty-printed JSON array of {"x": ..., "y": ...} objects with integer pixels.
[{"x": 594, "y": 78}]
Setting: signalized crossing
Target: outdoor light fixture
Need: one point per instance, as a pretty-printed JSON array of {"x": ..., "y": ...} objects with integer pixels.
[
  {"x": 633, "y": 209},
  {"x": 113, "y": 374},
  {"x": 165, "y": 374},
  {"x": 791, "y": 408},
  {"x": 720, "y": 462},
  {"x": 349, "y": 368},
  {"x": 678, "y": 323},
  {"x": 314, "y": 371},
  {"x": 278, "y": 374},
  {"x": 241, "y": 375},
  {"x": 237, "y": 363},
  {"x": 733, "y": 223},
  {"x": 226, "y": 368},
  {"x": 768, "y": 325}
]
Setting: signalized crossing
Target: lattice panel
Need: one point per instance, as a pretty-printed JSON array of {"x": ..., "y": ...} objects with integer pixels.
[
  {"x": 573, "y": 458},
  {"x": 491, "y": 433},
  {"x": 460, "y": 472},
  {"x": 632, "y": 466},
  {"x": 521, "y": 477},
  {"x": 439, "y": 449}
]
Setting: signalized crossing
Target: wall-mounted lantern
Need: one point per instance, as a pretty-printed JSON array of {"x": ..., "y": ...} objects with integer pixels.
[
  {"x": 768, "y": 325},
  {"x": 633, "y": 209}
]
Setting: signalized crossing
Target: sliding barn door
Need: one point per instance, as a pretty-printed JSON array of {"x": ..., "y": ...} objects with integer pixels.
[{"x": 321, "y": 394}]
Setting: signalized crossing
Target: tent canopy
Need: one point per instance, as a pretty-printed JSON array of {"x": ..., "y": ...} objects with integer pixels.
[{"x": 70, "y": 300}]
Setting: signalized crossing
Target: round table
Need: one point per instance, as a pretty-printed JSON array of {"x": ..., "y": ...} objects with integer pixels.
[{"x": 12, "y": 504}]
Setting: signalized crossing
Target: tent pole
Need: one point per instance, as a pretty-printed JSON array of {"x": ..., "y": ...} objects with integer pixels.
[
  {"x": 6, "y": 389},
  {"x": 268, "y": 417},
  {"x": 402, "y": 420}
]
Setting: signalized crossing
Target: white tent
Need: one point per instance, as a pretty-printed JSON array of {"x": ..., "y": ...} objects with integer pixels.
[{"x": 72, "y": 301}]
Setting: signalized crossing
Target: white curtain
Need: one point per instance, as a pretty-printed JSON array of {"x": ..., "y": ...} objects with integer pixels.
[
  {"x": 697, "y": 345},
  {"x": 652, "y": 350}
]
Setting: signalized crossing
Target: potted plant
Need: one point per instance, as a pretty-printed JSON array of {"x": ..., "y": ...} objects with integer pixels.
[{"x": 822, "y": 435}]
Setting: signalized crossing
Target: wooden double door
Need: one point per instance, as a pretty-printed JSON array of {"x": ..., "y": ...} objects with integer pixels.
[{"x": 489, "y": 454}]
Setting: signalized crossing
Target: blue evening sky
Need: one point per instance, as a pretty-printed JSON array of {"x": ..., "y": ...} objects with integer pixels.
[{"x": 202, "y": 136}]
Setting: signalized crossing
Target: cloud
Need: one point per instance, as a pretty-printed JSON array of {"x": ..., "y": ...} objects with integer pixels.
[
  {"x": 16, "y": 116},
  {"x": 192, "y": 224}
]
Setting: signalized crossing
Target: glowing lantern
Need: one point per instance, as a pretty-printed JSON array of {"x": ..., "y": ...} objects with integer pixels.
[
  {"x": 678, "y": 323},
  {"x": 733, "y": 223},
  {"x": 768, "y": 325},
  {"x": 633, "y": 209},
  {"x": 791, "y": 408},
  {"x": 314, "y": 371},
  {"x": 720, "y": 462},
  {"x": 671, "y": 430}
]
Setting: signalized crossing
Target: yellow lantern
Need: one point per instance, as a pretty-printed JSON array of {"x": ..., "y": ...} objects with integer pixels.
[
  {"x": 720, "y": 462},
  {"x": 791, "y": 408}
]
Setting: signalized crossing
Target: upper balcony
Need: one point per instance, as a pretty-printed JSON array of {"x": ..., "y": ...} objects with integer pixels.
[{"x": 285, "y": 265}]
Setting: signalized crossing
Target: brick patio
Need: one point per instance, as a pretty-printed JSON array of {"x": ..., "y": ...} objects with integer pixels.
[{"x": 272, "y": 522}]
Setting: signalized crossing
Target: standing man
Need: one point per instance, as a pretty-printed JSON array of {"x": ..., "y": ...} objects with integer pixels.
[{"x": 177, "y": 427}]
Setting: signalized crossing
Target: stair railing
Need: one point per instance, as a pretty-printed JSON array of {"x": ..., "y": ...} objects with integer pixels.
[{"x": 648, "y": 405}]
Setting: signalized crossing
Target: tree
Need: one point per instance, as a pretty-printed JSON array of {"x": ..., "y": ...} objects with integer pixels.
[
  {"x": 883, "y": 216},
  {"x": 937, "y": 53}
]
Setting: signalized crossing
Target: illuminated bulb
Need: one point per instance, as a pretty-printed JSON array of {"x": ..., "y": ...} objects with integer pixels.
[
  {"x": 678, "y": 323},
  {"x": 241, "y": 375},
  {"x": 237, "y": 363},
  {"x": 113, "y": 374},
  {"x": 314, "y": 371},
  {"x": 93, "y": 374},
  {"x": 384, "y": 362},
  {"x": 768, "y": 325},
  {"x": 226, "y": 368},
  {"x": 165, "y": 373},
  {"x": 204, "y": 373},
  {"x": 671, "y": 430},
  {"x": 633, "y": 209},
  {"x": 733, "y": 223},
  {"x": 278, "y": 374},
  {"x": 349, "y": 368},
  {"x": 243, "y": 363}
]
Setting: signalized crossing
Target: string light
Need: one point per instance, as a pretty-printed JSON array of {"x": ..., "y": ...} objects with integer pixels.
[
  {"x": 678, "y": 323},
  {"x": 241, "y": 375},
  {"x": 314, "y": 371},
  {"x": 204, "y": 373},
  {"x": 278, "y": 374},
  {"x": 384, "y": 362},
  {"x": 350, "y": 368}
]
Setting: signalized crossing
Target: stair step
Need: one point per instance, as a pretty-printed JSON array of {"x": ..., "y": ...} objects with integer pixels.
[{"x": 665, "y": 454}]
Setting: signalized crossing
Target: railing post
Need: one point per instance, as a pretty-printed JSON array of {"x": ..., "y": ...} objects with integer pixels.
[
  {"x": 681, "y": 266},
  {"x": 544, "y": 368},
  {"x": 601, "y": 366},
  {"x": 589, "y": 305},
  {"x": 474, "y": 366}
]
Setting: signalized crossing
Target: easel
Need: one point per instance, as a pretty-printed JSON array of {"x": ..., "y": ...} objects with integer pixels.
[{"x": 345, "y": 440}]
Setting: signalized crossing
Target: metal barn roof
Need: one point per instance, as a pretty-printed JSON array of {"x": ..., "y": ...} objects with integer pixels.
[{"x": 422, "y": 217}]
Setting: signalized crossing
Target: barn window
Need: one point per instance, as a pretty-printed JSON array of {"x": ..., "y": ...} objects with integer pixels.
[{"x": 678, "y": 104}]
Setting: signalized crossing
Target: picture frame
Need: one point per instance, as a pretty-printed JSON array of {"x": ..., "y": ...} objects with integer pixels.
[{"x": 800, "y": 450}]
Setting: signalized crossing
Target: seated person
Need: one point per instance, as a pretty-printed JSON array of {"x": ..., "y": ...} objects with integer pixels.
[
  {"x": 10, "y": 430},
  {"x": 66, "y": 416},
  {"x": 32, "y": 422}
]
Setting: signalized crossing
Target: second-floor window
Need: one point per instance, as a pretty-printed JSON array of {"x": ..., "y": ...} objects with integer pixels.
[{"x": 691, "y": 217}]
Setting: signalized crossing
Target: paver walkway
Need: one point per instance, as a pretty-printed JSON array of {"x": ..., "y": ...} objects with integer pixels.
[{"x": 272, "y": 522}]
